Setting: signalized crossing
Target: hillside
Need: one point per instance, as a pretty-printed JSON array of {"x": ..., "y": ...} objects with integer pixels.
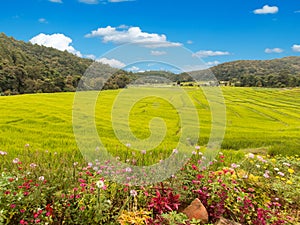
[
  {"x": 284, "y": 72},
  {"x": 28, "y": 68}
]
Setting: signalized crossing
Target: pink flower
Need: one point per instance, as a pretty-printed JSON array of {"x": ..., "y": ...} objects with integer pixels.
[
  {"x": 234, "y": 166},
  {"x": 12, "y": 206},
  {"x": 23, "y": 222},
  {"x": 3, "y": 153},
  {"x": 144, "y": 152},
  {"x": 197, "y": 147},
  {"x": 281, "y": 174},
  {"x": 250, "y": 156},
  {"x": 16, "y": 160},
  {"x": 133, "y": 193},
  {"x": 33, "y": 165}
]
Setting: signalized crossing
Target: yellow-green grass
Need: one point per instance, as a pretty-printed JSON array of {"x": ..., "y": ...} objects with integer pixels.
[{"x": 256, "y": 117}]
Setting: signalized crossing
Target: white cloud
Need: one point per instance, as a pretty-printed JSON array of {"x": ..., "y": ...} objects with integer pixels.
[
  {"x": 121, "y": 0},
  {"x": 189, "y": 42},
  {"x": 112, "y": 62},
  {"x": 298, "y": 11},
  {"x": 266, "y": 10},
  {"x": 42, "y": 20},
  {"x": 90, "y": 56},
  {"x": 273, "y": 50},
  {"x": 56, "y": 1},
  {"x": 203, "y": 66},
  {"x": 213, "y": 63},
  {"x": 58, "y": 41},
  {"x": 123, "y": 26},
  {"x": 132, "y": 35},
  {"x": 208, "y": 53},
  {"x": 158, "y": 53},
  {"x": 133, "y": 68},
  {"x": 91, "y": 2},
  {"x": 296, "y": 48}
]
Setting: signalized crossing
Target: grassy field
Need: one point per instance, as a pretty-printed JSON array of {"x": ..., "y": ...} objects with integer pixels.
[{"x": 256, "y": 118}]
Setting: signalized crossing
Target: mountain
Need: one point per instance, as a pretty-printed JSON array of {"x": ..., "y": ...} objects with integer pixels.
[{"x": 284, "y": 72}]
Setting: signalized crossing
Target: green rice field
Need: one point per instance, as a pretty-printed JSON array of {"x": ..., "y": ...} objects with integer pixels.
[{"x": 256, "y": 118}]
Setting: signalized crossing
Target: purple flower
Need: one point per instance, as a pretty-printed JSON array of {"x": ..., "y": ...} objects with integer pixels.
[
  {"x": 16, "y": 160},
  {"x": 144, "y": 152},
  {"x": 234, "y": 166},
  {"x": 197, "y": 147},
  {"x": 33, "y": 165},
  {"x": 175, "y": 151}
]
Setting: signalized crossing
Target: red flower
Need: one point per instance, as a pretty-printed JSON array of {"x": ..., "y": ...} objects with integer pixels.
[{"x": 23, "y": 222}]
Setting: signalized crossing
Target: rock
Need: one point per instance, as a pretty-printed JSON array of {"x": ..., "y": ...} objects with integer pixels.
[
  {"x": 223, "y": 221},
  {"x": 196, "y": 210}
]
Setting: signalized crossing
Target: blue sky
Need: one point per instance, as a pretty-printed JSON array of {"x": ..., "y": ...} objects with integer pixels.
[{"x": 215, "y": 31}]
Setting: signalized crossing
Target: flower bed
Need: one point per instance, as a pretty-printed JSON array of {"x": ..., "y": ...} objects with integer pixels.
[{"x": 51, "y": 188}]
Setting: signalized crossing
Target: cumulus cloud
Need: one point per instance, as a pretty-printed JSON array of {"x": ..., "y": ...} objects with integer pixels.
[
  {"x": 208, "y": 53},
  {"x": 42, "y": 20},
  {"x": 112, "y": 62},
  {"x": 121, "y": 0},
  {"x": 158, "y": 53},
  {"x": 189, "y": 42},
  {"x": 203, "y": 66},
  {"x": 133, "y": 69},
  {"x": 58, "y": 41},
  {"x": 266, "y": 10},
  {"x": 296, "y": 48},
  {"x": 56, "y": 1},
  {"x": 134, "y": 35},
  {"x": 273, "y": 50},
  {"x": 91, "y": 2},
  {"x": 90, "y": 56}
]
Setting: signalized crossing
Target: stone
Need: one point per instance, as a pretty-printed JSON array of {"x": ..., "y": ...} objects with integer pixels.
[
  {"x": 223, "y": 221},
  {"x": 196, "y": 210}
]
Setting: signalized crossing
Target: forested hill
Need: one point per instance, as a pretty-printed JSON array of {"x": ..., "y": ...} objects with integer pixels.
[
  {"x": 284, "y": 72},
  {"x": 28, "y": 68}
]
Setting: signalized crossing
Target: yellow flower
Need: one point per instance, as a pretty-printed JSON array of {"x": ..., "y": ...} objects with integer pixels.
[
  {"x": 273, "y": 160},
  {"x": 283, "y": 178},
  {"x": 289, "y": 182},
  {"x": 291, "y": 171},
  {"x": 277, "y": 177}
]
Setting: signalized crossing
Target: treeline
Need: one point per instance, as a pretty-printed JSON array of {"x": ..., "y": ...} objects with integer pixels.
[
  {"x": 28, "y": 68},
  {"x": 283, "y": 72}
]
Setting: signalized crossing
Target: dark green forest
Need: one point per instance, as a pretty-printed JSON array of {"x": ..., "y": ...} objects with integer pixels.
[{"x": 28, "y": 68}]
